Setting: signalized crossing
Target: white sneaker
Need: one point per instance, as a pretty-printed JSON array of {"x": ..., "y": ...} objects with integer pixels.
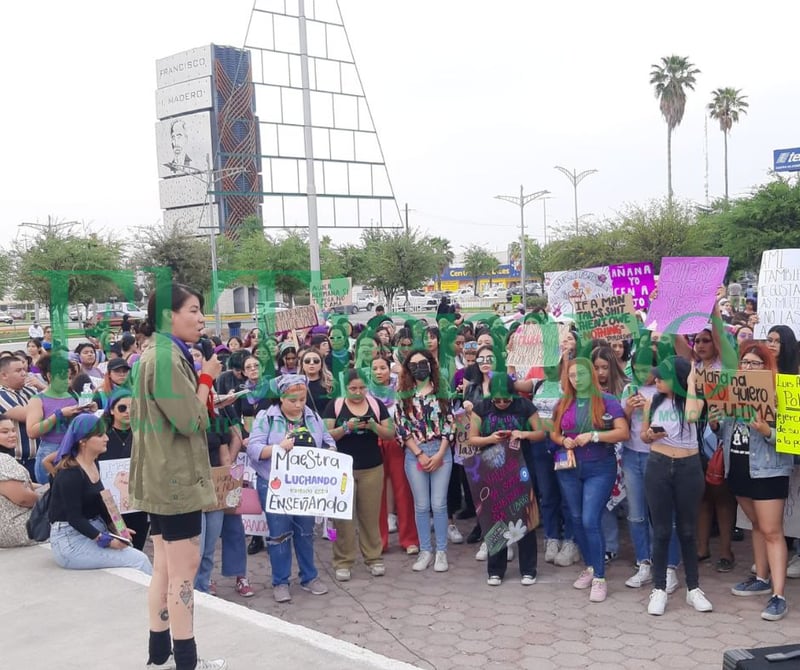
[
  {"x": 423, "y": 561},
  {"x": 392, "y": 521},
  {"x": 644, "y": 575},
  {"x": 567, "y": 555},
  {"x": 697, "y": 599},
  {"x": 454, "y": 535},
  {"x": 440, "y": 565},
  {"x": 483, "y": 552},
  {"x": 169, "y": 664},
  {"x": 217, "y": 664},
  {"x": 551, "y": 548},
  {"x": 672, "y": 580},
  {"x": 793, "y": 569},
  {"x": 510, "y": 552},
  {"x": 527, "y": 580},
  {"x": 658, "y": 602},
  {"x": 494, "y": 580}
]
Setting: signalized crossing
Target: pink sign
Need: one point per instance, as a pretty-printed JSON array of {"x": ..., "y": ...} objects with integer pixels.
[
  {"x": 638, "y": 279},
  {"x": 686, "y": 292}
]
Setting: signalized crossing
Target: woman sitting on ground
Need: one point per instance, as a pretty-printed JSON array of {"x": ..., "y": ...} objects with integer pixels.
[{"x": 17, "y": 493}]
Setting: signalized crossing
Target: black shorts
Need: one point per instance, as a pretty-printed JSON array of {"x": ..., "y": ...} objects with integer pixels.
[{"x": 174, "y": 527}]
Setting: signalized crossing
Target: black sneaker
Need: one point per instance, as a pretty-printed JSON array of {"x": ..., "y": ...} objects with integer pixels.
[
  {"x": 256, "y": 545},
  {"x": 474, "y": 535}
]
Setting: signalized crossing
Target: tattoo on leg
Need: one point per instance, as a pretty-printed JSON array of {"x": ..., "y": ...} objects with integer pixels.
[
  {"x": 186, "y": 594},
  {"x": 164, "y": 614}
]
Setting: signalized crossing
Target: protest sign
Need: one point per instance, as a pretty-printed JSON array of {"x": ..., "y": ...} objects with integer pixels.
[
  {"x": 254, "y": 524},
  {"x": 787, "y": 423},
  {"x": 743, "y": 394},
  {"x": 115, "y": 473},
  {"x": 778, "y": 291},
  {"x": 686, "y": 293},
  {"x": 227, "y": 482},
  {"x": 295, "y": 318},
  {"x": 118, "y": 526},
  {"x": 504, "y": 499},
  {"x": 637, "y": 279},
  {"x": 535, "y": 345},
  {"x": 311, "y": 482},
  {"x": 564, "y": 287},
  {"x": 329, "y": 293},
  {"x": 463, "y": 448},
  {"x": 611, "y": 318}
]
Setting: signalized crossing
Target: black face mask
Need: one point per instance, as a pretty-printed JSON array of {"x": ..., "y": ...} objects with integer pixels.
[{"x": 420, "y": 371}]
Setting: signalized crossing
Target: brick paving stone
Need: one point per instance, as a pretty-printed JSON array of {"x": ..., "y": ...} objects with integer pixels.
[
  {"x": 605, "y": 643},
  {"x": 468, "y": 661},
  {"x": 642, "y": 653},
  {"x": 638, "y": 664},
  {"x": 571, "y": 647},
  {"x": 570, "y": 661},
  {"x": 537, "y": 664},
  {"x": 606, "y": 656},
  {"x": 538, "y": 651}
]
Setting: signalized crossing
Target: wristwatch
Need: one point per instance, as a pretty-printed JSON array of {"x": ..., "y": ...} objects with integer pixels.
[{"x": 595, "y": 436}]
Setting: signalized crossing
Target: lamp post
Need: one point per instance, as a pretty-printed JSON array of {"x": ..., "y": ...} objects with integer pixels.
[
  {"x": 544, "y": 200},
  {"x": 576, "y": 178},
  {"x": 521, "y": 201}
]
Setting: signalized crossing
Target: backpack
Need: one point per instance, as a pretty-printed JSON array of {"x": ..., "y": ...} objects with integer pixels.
[{"x": 371, "y": 401}]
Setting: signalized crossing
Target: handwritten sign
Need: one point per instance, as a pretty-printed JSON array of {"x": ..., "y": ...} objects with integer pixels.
[
  {"x": 778, "y": 291},
  {"x": 329, "y": 293},
  {"x": 117, "y": 523},
  {"x": 254, "y": 524},
  {"x": 535, "y": 345},
  {"x": 296, "y": 318},
  {"x": 228, "y": 487},
  {"x": 636, "y": 279},
  {"x": 686, "y": 293},
  {"x": 115, "y": 474},
  {"x": 611, "y": 318},
  {"x": 504, "y": 499},
  {"x": 311, "y": 482},
  {"x": 787, "y": 425},
  {"x": 463, "y": 448},
  {"x": 563, "y": 288},
  {"x": 742, "y": 394}
]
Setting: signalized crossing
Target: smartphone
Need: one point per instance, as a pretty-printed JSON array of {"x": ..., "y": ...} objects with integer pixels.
[
  {"x": 657, "y": 429},
  {"x": 122, "y": 539}
]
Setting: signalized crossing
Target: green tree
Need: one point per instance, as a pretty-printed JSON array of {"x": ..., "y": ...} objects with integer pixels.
[
  {"x": 398, "y": 261},
  {"x": 533, "y": 257},
  {"x": 353, "y": 262},
  {"x": 726, "y": 105},
  {"x": 671, "y": 78},
  {"x": 6, "y": 273},
  {"x": 479, "y": 262},
  {"x": 595, "y": 245},
  {"x": 443, "y": 257}
]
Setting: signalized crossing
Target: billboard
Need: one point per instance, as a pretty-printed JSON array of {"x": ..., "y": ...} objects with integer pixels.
[
  {"x": 183, "y": 143},
  {"x": 194, "y": 219},
  {"x": 188, "y": 96},
  {"x": 182, "y": 191},
  {"x": 184, "y": 66},
  {"x": 786, "y": 160}
]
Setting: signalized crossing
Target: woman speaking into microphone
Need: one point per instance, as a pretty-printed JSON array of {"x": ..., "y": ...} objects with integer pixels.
[{"x": 170, "y": 473}]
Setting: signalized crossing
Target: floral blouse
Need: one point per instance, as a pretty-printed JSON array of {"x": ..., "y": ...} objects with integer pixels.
[{"x": 426, "y": 423}]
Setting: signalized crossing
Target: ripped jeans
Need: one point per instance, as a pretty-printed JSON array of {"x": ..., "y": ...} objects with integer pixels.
[{"x": 300, "y": 530}]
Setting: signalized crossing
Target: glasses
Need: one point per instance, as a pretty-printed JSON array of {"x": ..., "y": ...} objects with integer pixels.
[
  {"x": 752, "y": 363},
  {"x": 419, "y": 365},
  {"x": 312, "y": 361},
  {"x": 484, "y": 359},
  {"x": 470, "y": 346},
  {"x": 703, "y": 340},
  {"x": 121, "y": 407}
]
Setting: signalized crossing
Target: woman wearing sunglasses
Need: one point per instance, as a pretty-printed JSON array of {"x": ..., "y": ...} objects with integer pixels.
[
  {"x": 424, "y": 425},
  {"x": 759, "y": 478},
  {"x": 320, "y": 379}
]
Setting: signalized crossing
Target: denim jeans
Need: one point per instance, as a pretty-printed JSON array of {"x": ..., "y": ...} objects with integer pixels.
[
  {"x": 234, "y": 548},
  {"x": 44, "y": 450},
  {"x": 212, "y": 527},
  {"x": 586, "y": 489},
  {"x": 634, "y": 464},
  {"x": 74, "y": 551},
  {"x": 674, "y": 488},
  {"x": 430, "y": 495},
  {"x": 300, "y": 533},
  {"x": 610, "y": 525},
  {"x": 552, "y": 505}
]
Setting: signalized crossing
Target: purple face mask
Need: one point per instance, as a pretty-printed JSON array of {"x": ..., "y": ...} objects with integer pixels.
[{"x": 198, "y": 366}]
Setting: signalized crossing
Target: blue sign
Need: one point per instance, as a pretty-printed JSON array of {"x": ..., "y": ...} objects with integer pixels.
[
  {"x": 786, "y": 160},
  {"x": 507, "y": 271}
]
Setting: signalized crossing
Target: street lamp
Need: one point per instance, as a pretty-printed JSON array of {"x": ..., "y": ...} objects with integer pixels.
[
  {"x": 576, "y": 178},
  {"x": 522, "y": 200}
]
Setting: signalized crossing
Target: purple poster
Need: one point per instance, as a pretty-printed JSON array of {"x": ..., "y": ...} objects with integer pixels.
[
  {"x": 686, "y": 292},
  {"x": 637, "y": 279}
]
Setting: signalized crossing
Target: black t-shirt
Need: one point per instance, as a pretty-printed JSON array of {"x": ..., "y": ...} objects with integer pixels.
[
  {"x": 75, "y": 499},
  {"x": 362, "y": 445},
  {"x": 119, "y": 445},
  {"x": 513, "y": 417},
  {"x": 317, "y": 398},
  {"x": 217, "y": 435}
]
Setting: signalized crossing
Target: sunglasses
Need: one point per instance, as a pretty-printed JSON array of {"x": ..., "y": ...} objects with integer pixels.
[
  {"x": 121, "y": 407},
  {"x": 312, "y": 361},
  {"x": 421, "y": 365},
  {"x": 471, "y": 346},
  {"x": 484, "y": 359}
]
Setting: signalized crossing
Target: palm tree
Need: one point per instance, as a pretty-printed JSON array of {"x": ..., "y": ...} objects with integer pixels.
[
  {"x": 725, "y": 106},
  {"x": 443, "y": 256},
  {"x": 671, "y": 78}
]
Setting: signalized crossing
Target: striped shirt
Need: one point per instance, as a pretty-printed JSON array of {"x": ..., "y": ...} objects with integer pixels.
[{"x": 9, "y": 399}]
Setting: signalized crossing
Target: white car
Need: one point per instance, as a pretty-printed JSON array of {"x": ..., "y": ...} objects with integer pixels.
[{"x": 269, "y": 308}]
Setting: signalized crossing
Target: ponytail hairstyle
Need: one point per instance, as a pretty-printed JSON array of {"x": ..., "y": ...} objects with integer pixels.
[{"x": 157, "y": 321}]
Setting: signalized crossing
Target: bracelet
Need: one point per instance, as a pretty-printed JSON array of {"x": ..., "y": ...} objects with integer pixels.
[
  {"x": 103, "y": 540},
  {"x": 418, "y": 454},
  {"x": 206, "y": 380}
]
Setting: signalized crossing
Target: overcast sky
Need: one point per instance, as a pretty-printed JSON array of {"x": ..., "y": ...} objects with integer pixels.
[{"x": 471, "y": 99}]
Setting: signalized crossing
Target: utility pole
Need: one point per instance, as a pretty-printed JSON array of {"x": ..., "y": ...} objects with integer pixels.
[
  {"x": 522, "y": 200},
  {"x": 576, "y": 178},
  {"x": 544, "y": 200},
  {"x": 406, "y": 218}
]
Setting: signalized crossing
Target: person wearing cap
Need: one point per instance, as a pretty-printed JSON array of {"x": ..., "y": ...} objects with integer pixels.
[
  {"x": 117, "y": 373},
  {"x": 78, "y": 516},
  {"x": 291, "y": 423}
]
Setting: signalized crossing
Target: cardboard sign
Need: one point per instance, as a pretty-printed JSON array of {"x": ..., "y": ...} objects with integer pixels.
[
  {"x": 686, "y": 292},
  {"x": 742, "y": 394},
  {"x": 311, "y": 482},
  {"x": 636, "y": 279},
  {"x": 504, "y": 499},
  {"x": 611, "y": 318},
  {"x": 563, "y": 288},
  {"x": 228, "y": 487},
  {"x": 461, "y": 423},
  {"x": 787, "y": 424},
  {"x": 117, "y": 523},
  {"x": 535, "y": 345},
  {"x": 329, "y": 293},
  {"x": 295, "y": 318},
  {"x": 115, "y": 474},
  {"x": 778, "y": 291}
]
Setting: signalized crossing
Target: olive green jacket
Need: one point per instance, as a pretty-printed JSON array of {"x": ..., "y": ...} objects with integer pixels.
[{"x": 170, "y": 471}]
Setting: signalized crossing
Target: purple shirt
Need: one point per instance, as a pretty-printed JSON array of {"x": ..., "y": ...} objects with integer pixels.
[{"x": 571, "y": 427}]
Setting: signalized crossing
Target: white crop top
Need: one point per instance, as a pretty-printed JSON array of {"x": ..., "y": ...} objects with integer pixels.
[{"x": 681, "y": 435}]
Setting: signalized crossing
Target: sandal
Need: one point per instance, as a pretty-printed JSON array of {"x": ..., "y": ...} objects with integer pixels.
[{"x": 725, "y": 564}]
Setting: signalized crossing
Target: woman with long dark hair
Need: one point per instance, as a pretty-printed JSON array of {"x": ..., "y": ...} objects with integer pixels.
[{"x": 170, "y": 473}]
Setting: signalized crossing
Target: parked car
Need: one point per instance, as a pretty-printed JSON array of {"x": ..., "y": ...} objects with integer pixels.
[
  {"x": 345, "y": 309},
  {"x": 496, "y": 292},
  {"x": 128, "y": 308},
  {"x": 17, "y": 314},
  {"x": 416, "y": 300},
  {"x": 270, "y": 308},
  {"x": 110, "y": 317},
  {"x": 5, "y": 317},
  {"x": 365, "y": 301}
]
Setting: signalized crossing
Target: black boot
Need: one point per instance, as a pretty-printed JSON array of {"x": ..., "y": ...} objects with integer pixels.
[{"x": 256, "y": 545}]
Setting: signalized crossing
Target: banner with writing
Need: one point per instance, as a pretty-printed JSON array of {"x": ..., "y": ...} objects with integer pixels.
[
  {"x": 504, "y": 499},
  {"x": 329, "y": 293},
  {"x": 227, "y": 482},
  {"x": 535, "y": 345},
  {"x": 296, "y": 318},
  {"x": 637, "y": 279},
  {"x": 686, "y": 292},
  {"x": 778, "y": 291},
  {"x": 612, "y": 318},
  {"x": 563, "y": 288},
  {"x": 743, "y": 394},
  {"x": 254, "y": 524},
  {"x": 787, "y": 424},
  {"x": 115, "y": 474},
  {"x": 463, "y": 448},
  {"x": 306, "y": 481}
]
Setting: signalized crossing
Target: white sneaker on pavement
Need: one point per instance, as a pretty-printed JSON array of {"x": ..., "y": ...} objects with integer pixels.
[
  {"x": 454, "y": 535},
  {"x": 658, "y": 602},
  {"x": 440, "y": 564},
  {"x": 567, "y": 555},
  {"x": 644, "y": 575},
  {"x": 672, "y": 580},
  {"x": 392, "y": 522},
  {"x": 793, "y": 569},
  {"x": 483, "y": 552},
  {"x": 551, "y": 548},
  {"x": 423, "y": 561},
  {"x": 697, "y": 599}
]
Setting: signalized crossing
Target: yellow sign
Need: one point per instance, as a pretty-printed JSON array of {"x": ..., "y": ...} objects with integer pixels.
[
  {"x": 787, "y": 423},
  {"x": 449, "y": 286}
]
